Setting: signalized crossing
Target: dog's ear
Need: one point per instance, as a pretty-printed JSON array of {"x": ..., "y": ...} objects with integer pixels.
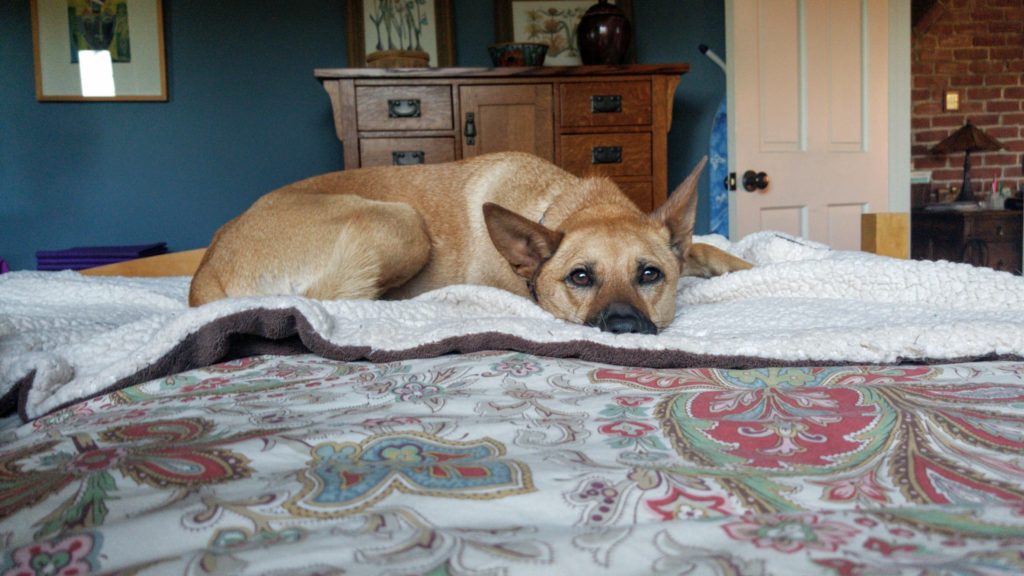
[
  {"x": 679, "y": 213},
  {"x": 525, "y": 244}
]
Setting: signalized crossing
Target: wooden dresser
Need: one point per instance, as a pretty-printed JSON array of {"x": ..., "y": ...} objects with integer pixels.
[
  {"x": 605, "y": 120},
  {"x": 989, "y": 238}
]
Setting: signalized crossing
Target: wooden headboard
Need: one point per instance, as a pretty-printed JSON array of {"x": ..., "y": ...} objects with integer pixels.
[{"x": 173, "y": 264}]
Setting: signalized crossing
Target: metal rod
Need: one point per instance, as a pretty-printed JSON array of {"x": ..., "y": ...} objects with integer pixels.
[{"x": 712, "y": 56}]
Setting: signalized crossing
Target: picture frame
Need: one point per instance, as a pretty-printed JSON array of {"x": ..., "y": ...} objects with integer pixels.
[
  {"x": 366, "y": 22},
  {"x": 99, "y": 50},
  {"x": 513, "y": 21}
]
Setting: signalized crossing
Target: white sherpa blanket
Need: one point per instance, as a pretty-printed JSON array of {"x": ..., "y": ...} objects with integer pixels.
[{"x": 65, "y": 337}]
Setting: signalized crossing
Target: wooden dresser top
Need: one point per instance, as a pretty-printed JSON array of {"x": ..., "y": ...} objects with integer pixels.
[{"x": 501, "y": 72}]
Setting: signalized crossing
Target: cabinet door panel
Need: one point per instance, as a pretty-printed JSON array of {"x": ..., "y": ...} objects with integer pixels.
[
  {"x": 996, "y": 227},
  {"x": 509, "y": 117},
  {"x": 934, "y": 237},
  {"x": 1003, "y": 256}
]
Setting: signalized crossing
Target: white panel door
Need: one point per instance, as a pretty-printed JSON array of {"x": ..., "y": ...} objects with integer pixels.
[{"x": 807, "y": 92}]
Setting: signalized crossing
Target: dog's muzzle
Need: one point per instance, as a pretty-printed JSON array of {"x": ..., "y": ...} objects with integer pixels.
[{"x": 621, "y": 318}]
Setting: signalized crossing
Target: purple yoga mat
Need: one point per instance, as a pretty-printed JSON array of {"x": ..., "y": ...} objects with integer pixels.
[
  {"x": 123, "y": 252},
  {"x": 46, "y": 266}
]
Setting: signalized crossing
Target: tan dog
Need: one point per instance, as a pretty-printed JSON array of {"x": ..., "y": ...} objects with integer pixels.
[{"x": 578, "y": 246}]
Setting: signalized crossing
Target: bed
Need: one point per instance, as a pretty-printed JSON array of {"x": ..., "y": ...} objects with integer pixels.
[{"x": 823, "y": 413}]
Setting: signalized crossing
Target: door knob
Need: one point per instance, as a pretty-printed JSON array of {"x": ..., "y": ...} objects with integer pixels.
[{"x": 755, "y": 181}]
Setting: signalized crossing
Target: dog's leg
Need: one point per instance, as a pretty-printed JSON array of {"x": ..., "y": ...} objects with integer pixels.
[
  {"x": 706, "y": 261},
  {"x": 205, "y": 288},
  {"x": 378, "y": 247},
  {"x": 322, "y": 246}
]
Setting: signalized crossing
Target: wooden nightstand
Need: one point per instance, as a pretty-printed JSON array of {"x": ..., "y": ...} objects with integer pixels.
[
  {"x": 980, "y": 237},
  {"x": 603, "y": 120}
]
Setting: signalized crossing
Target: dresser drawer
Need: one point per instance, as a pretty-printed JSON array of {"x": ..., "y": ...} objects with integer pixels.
[
  {"x": 995, "y": 228},
  {"x": 404, "y": 107},
  {"x": 606, "y": 103},
  {"x": 404, "y": 151},
  {"x": 607, "y": 154}
]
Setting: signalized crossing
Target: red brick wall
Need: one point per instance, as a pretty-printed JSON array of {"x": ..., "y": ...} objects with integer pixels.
[{"x": 976, "y": 47}]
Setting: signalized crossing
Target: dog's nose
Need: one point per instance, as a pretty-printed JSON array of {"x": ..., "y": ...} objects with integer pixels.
[{"x": 622, "y": 318}]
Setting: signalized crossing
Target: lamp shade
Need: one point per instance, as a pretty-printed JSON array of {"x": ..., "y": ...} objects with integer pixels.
[{"x": 968, "y": 138}]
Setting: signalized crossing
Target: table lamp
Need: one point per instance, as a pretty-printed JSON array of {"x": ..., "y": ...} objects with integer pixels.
[{"x": 969, "y": 138}]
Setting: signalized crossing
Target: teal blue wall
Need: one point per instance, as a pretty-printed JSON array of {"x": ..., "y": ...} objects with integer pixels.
[{"x": 245, "y": 116}]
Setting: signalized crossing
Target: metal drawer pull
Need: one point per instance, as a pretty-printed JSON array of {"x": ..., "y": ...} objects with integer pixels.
[
  {"x": 407, "y": 157},
  {"x": 606, "y": 155},
  {"x": 404, "y": 108},
  {"x": 999, "y": 230},
  {"x": 605, "y": 104},
  {"x": 470, "y": 131}
]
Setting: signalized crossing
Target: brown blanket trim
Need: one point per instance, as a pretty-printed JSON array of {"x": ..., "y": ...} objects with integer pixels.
[
  {"x": 14, "y": 397},
  {"x": 287, "y": 332}
]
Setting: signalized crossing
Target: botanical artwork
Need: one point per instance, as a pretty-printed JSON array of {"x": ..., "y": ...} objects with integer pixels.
[
  {"x": 556, "y": 27},
  {"x": 99, "y": 25},
  {"x": 551, "y": 22},
  {"x": 398, "y": 24}
]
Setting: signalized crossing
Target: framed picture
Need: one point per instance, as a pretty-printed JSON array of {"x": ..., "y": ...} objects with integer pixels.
[
  {"x": 400, "y": 33},
  {"x": 552, "y": 22},
  {"x": 99, "y": 50}
]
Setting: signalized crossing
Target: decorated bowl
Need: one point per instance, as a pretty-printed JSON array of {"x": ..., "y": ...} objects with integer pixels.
[{"x": 518, "y": 53}]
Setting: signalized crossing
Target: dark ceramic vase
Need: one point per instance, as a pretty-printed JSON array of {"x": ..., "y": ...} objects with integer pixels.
[{"x": 603, "y": 34}]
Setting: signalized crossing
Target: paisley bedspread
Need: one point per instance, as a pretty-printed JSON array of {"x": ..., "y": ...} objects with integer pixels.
[{"x": 508, "y": 463}]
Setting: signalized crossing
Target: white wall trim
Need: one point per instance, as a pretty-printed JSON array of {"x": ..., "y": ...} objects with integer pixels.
[{"x": 899, "y": 105}]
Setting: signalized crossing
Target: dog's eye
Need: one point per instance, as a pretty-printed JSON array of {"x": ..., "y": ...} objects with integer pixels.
[
  {"x": 650, "y": 275},
  {"x": 580, "y": 277}
]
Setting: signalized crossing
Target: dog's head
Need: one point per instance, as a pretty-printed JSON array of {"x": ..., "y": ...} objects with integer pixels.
[{"x": 609, "y": 265}]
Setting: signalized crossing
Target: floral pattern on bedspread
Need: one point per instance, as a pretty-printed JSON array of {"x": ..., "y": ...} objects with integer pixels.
[{"x": 506, "y": 463}]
